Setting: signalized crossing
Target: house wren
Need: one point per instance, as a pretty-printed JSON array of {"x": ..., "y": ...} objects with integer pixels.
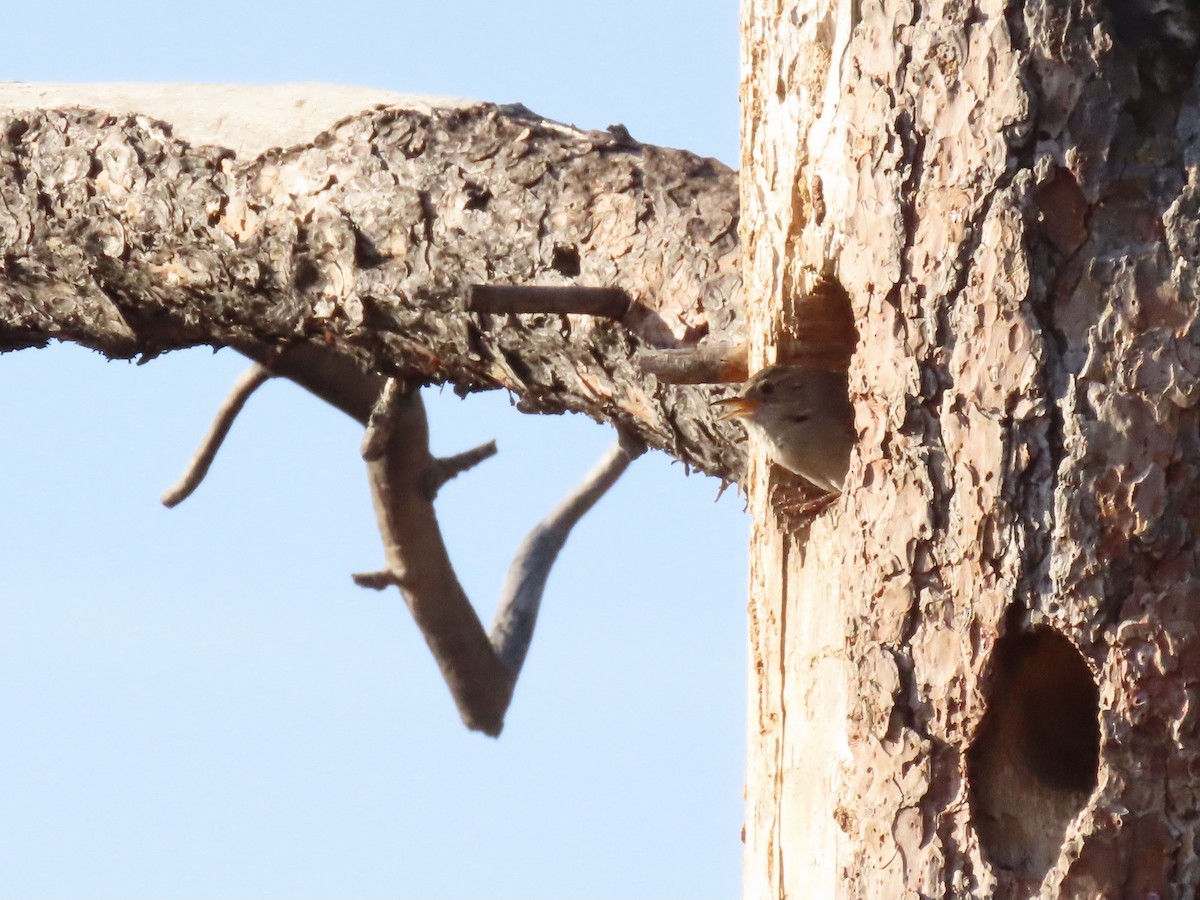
[{"x": 803, "y": 417}]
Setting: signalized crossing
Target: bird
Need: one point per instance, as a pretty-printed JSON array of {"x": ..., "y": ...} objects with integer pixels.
[{"x": 803, "y": 417}]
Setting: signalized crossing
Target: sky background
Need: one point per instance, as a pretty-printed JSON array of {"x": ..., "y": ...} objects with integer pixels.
[{"x": 199, "y": 703}]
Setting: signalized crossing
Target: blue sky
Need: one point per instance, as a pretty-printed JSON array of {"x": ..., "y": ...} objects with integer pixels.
[{"x": 199, "y": 703}]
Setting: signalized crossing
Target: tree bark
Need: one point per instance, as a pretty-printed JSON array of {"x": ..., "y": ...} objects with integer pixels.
[{"x": 975, "y": 674}]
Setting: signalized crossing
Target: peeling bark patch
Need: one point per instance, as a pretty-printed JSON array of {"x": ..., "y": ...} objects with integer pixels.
[{"x": 1034, "y": 761}]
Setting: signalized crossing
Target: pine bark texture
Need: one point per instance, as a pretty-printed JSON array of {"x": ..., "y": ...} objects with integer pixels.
[
  {"x": 976, "y": 674},
  {"x": 363, "y": 238}
]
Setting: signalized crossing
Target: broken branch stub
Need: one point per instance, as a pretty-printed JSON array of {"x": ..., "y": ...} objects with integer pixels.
[
  {"x": 711, "y": 364},
  {"x": 445, "y": 468}
]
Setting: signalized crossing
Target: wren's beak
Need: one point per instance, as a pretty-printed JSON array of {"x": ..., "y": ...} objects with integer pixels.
[{"x": 739, "y": 407}]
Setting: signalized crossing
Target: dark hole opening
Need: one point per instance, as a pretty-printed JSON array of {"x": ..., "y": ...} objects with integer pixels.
[
  {"x": 478, "y": 197},
  {"x": 1035, "y": 757},
  {"x": 566, "y": 260}
]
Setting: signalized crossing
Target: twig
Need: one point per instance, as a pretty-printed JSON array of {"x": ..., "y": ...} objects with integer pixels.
[
  {"x": 251, "y": 380},
  {"x": 517, "y": 612},
  {"x": 330, "y": 376},
  {"x": 553, "y": 299},
  {"x": 378, "y": 581},
  {"x": 444, "y": 468},
  {"x": 716, "y": 364}
]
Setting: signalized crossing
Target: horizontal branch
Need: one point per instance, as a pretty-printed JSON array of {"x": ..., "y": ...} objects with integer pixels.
[{"x": 366, "y": 242}]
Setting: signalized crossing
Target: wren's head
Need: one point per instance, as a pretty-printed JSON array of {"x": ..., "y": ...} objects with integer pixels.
[{"x": 804, "y": 418}]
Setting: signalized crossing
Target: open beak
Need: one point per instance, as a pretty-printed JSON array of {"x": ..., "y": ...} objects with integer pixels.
[{"x": 738, "y": 407}]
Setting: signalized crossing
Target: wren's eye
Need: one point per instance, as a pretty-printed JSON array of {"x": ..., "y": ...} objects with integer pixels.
[{"x": 766, "y": 388}]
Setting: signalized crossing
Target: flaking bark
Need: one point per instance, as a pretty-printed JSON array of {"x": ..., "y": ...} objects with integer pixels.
[{"x": 975, "y": 676}]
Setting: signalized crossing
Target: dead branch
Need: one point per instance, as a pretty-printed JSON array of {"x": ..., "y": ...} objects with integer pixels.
[
  {"x": 366, "y": 242},
  {"x": 416, "y": 560},
  {"x": 480, "y": 670},
  {"x": 445, "y": 468},
  {"x": 330, "y": 261},
  {"x": 254, "y": 378},
  {"x": 612, "y": 303},
  {"x": 516, "y": 614}
]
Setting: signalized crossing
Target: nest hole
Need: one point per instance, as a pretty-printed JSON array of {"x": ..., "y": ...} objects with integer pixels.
[{"x": 1035, "y": 758}]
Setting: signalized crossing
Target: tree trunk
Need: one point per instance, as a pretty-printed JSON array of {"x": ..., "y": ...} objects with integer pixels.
[{"x": 974, "y": 675}]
